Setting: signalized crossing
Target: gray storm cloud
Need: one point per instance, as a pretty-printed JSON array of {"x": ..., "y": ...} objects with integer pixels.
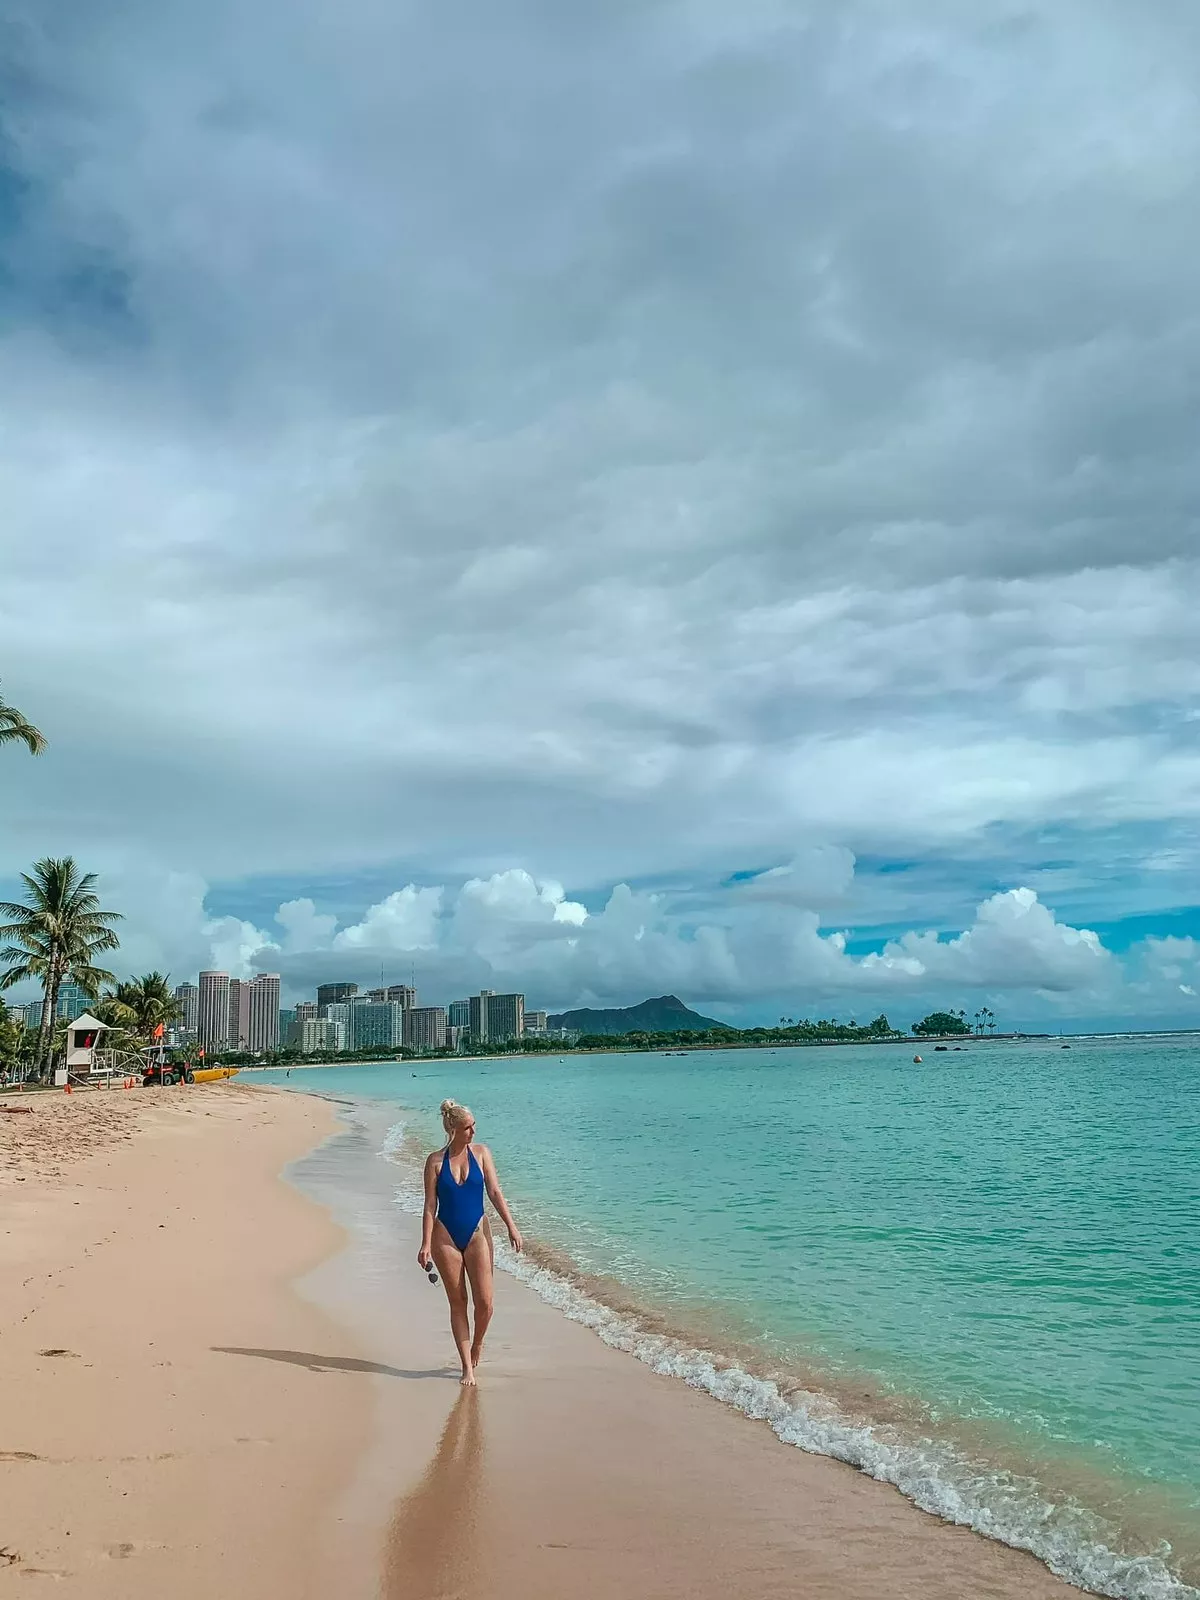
[{"x": 618, "y": 445}]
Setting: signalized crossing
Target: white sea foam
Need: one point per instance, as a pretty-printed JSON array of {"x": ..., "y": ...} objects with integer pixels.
[
  {"x": 1004, "y": 1506},
  {"x": 393, "y": 1140}
]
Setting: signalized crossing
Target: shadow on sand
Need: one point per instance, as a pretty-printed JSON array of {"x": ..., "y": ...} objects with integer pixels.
[{"x": 314, "y": 1363}]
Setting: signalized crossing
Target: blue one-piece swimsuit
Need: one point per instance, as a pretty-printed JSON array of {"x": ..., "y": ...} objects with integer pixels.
[{"x": 460, "y": 1205}]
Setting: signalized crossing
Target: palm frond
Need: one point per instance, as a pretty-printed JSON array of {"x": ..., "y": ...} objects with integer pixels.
[{"x": 14, "y": 727}]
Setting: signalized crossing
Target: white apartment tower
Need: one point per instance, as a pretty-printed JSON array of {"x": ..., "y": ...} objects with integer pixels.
[
  {"x": 264, "y": 1012},
  {"x": 239, "y": 1014},
  {"x": 212, "y": 1010}
]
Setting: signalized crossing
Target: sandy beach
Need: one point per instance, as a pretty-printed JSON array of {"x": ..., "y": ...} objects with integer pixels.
[
  {"x": 205, "y": 1429},
  {"x": 141, "y": 1235}
]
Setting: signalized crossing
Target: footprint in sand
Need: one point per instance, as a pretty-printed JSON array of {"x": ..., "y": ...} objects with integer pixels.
[
  {"x": 18, "y": 1455},
  {"x": 70, "y": 1353}
]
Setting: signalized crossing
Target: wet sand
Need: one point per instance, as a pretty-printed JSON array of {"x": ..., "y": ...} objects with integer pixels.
[{"x": 573, "y": 1470}]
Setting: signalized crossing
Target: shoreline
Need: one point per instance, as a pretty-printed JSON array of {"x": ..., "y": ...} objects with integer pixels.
[{"x": 575, "y": 1470}]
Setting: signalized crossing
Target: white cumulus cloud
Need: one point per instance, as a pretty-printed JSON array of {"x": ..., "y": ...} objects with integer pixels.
[
  {"x": 305, "y": 928},
  {"x": 406, "y": 920},
  {"x": 1015, "y": 941}
]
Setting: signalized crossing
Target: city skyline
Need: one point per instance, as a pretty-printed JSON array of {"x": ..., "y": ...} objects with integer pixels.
[{"x": 220, "y": 1012}]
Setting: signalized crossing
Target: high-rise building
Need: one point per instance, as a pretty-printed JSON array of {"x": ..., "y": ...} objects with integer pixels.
[
  {"x": 477, "y": 1015},
  {"x": 339, "y": 1011},
  {"x": 187, "y": 997},
  {"x": 264, "y": 1012},
  {"x": 505, "y": 1017},
  {"x": 330, "y": 993},
  {"x": 458, "y": 1014},
  {"x": 72, "y": 1002},
  {"x": 493, "y": 1017},
  {"x": 402, "y": 993},
  {"x": 424, "y": 1028},
  {"x": 316, "y": 1033},
  {"x": 535, "y": 1024},
  {"x": 212, "y": 1024},
  {"x": 454, "y": 1036},
  {"x": 374, "y": 1023},
  {"x": 239, "y": 1014},
  {"x": 306, "y": 1009}
]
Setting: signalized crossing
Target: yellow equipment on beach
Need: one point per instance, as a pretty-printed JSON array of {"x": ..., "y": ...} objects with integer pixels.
[{"x": 213, "y": 1074}]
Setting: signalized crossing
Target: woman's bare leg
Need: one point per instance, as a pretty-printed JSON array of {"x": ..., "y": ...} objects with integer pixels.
[
  {"x": 450, "y": 1265},
  {"x": 477, "y": 1258}
]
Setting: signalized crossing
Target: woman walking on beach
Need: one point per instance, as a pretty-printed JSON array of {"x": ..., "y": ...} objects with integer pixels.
[{"x": 455, "y": 1233}]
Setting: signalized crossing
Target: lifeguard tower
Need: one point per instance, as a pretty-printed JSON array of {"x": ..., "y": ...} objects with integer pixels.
[{"x": 84, "y": 1057}]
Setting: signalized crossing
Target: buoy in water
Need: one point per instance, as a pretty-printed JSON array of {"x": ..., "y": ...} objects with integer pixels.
[{"x": 916, "y": 1058}]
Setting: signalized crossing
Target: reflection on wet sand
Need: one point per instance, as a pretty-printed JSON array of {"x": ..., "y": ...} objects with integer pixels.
[{"x": 436, "y": 1540}]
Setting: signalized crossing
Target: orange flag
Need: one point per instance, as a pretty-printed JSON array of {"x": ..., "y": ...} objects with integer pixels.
[{"x": 158, "y": 1032}]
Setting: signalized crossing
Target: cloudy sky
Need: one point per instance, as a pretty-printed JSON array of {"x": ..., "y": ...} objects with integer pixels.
[{"x": 653, "y": 496}]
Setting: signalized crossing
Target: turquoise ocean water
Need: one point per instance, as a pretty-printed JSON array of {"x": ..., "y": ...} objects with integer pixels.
[{"x": 978, "y": 1277}]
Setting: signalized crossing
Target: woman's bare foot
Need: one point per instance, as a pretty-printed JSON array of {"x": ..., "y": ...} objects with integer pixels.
[
  {"x": 476, "y": 1354},
  {"x": 468, "y": 1378}
]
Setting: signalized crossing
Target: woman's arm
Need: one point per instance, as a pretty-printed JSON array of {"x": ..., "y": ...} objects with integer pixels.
[
  {"x": 430, "y": 1212},
  {"x": 501, "y": 1204}
]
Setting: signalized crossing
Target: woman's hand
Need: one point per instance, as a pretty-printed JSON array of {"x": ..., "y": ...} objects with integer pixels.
[
  {"x": 424, "y": 1257},
  {"x": 515, "y": 1239}
]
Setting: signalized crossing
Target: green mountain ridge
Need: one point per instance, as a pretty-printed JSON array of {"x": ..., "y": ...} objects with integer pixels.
[{"x": 666, "y": 1014}]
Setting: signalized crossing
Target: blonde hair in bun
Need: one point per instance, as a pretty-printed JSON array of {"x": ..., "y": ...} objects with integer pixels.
[{"x": 454, "y": 1115}]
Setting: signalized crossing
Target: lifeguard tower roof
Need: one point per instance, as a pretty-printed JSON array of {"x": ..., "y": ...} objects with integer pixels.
[{"x": 88, "y": 1022}]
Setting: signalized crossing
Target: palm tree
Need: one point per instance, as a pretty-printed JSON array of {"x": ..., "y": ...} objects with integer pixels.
[
  {"x": 55, "y": 934},
  {"x": 14, "y": 726},
  {"x": 11, "y": 1039},
  {"x": 142, "y": 1005}
]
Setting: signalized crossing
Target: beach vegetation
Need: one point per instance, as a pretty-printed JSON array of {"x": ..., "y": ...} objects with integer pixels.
[
  {"x": 12, "y": 1040},
  {"x": 141, "y": 1006},
  {"x": 15, "y": 728},
  {"x": 53, "y": 936},
  {"x": 939, "y": 1023}
]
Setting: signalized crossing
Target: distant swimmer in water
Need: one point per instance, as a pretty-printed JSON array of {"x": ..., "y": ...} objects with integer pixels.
[{"x": 455, "y": 1233}]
